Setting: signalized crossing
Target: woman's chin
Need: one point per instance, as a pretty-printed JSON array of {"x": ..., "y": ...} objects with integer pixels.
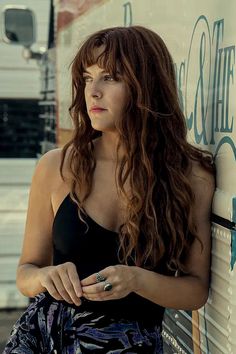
[{"x": 104, "y": 128}]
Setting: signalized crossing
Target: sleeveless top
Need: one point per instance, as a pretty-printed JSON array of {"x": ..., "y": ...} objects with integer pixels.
[{"x": 92, "y": 251}]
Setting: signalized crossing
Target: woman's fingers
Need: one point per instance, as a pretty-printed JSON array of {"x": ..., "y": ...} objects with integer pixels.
[
  {"x": 100, "y": 297},
  {"x": 120, "y": 280},
  {"x": 68, "y": 288},
  {"x": 94, "y": 278},
  {"x": 95, "y": 288},
  {"x": 60, "y": 289},
  {"x": 74, "y": 278},
  {"x": 62, "y": 282},
  {"x": 89, "y": 280},
  {"x": 114, "y": 282},
  {"x": 53, "y": 291}
]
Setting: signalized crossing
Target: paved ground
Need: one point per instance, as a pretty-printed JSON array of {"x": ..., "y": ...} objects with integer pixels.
[{"x": 7, "y": 319}]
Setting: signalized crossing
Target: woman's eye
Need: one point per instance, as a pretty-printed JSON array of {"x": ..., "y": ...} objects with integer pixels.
[
  {"x": 108, "y": 78},
  {"x": 105, "y": 78},
  {"x": 87, "y": 78}
]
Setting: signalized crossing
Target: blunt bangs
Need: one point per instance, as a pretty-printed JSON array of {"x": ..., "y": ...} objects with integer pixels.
[{"x": 103, "y": 50}]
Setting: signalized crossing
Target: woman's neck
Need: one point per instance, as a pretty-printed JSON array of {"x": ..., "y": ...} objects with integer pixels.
[{"x": 106, "y": 148}]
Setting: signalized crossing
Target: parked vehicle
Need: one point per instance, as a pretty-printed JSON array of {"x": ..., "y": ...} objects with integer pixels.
[
  {"x": 201, "y": 37},
  {"x": 21, "y": 133},
  {"x": 21, "y": 130}
]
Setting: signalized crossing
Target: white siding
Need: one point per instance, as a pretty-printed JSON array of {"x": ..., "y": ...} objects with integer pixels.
[{"x": 15, "y": 179}]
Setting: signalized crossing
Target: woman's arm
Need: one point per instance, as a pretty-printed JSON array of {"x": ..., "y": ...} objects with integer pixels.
[
  {"x": 37, "y": 245},
  {"x": 182, "y": 292},
  {"x": 186, "y": 292},
  {"x": 35, "y": 272}
]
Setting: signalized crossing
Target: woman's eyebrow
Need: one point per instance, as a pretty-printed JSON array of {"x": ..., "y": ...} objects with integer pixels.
[
  {"x": 88, "y": 72},
  {"x": 101, "y": 72}
]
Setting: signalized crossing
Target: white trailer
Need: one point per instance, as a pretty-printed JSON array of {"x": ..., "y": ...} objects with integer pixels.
[
  {"x": 20, "y": 136},
  {"x": 20, "y": 85}
]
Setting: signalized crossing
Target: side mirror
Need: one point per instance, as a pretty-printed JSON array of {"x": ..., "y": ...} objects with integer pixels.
[{"x": 19, "y": 26}]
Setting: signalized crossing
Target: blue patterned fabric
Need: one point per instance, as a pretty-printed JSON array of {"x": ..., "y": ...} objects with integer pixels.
[{"x": 51, "y": 326}]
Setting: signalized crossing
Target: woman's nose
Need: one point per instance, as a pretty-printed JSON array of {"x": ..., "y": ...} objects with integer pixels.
[
  {"x": 96, "y": 94},
  {"x": 96, "y": 91}
]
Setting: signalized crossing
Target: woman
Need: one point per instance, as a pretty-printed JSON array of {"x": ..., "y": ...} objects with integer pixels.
[{"x": 118, "y": 223}]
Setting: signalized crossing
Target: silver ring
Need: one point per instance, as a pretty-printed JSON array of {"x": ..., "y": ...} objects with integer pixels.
[
  {"x": 107, "y": 286},
  {"x": 99, "y": 277}
]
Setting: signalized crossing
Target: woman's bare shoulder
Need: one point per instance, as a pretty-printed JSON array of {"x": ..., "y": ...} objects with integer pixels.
[
  {"x": 199, "y": 173},
  {"x": 202, "y": 181},
  {"x": 50, "y": 161},
  {"x": 52, "y": 156},
  {"x": 48, "y": 167}
]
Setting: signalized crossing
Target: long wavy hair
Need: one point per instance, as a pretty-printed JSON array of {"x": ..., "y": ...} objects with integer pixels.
[{"x": 159, "y": 225}]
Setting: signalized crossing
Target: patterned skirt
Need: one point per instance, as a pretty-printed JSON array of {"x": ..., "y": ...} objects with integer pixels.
[{"x": 53, "y": 327}]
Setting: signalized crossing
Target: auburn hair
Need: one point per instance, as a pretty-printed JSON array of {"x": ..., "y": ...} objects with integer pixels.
[{"x": 159, "y": 224}]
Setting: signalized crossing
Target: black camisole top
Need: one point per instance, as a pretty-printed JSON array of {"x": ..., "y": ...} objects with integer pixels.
[{"x": 91, "y": 252}]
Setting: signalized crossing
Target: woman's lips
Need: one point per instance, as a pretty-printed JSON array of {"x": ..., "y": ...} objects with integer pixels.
[{"x": 97, "y": 110}]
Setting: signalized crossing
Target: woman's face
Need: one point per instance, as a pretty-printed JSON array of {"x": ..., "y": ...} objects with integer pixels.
[{"x": 105, "y": 98}]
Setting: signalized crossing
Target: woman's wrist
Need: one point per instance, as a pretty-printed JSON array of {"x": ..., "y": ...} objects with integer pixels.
[{"x": 137, "y": 274}]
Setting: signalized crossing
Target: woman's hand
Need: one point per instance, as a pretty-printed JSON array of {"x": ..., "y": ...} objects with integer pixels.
[
  {"x": 121, "y": 277},
  {"x": 62, "y": 282}
]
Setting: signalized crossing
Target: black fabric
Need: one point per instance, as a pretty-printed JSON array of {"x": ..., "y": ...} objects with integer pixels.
[{"x": 92, "y": 251}]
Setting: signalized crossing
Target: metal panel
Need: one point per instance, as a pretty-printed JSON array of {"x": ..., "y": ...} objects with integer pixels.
[{"x": 216, "y": 320}]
